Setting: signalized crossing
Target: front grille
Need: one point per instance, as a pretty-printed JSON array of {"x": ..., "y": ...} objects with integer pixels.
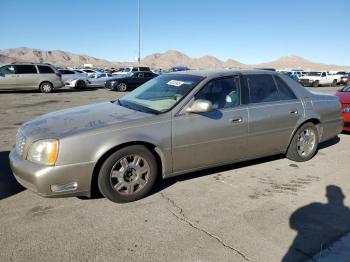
[
  {"x": 304, "y": 80},
  {"x": 20, "y": 142},
  {"x": 347, "y": 124}
]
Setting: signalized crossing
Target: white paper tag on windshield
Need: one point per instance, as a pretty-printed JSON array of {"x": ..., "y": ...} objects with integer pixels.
[{"x": 175, "y": 83}]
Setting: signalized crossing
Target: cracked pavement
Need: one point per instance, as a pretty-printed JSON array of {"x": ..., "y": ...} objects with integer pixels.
[{"x": 239, "y": 212}]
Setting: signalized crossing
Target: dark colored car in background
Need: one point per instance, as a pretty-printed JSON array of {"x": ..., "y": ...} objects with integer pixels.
[
  {"x": 130, "y": 81},
  {"x": 178, "y": 69},
  {"x": 344, "y": 98}
]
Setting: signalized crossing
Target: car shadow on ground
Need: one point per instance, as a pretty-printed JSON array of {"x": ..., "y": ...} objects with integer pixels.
[
  {"x": 318, "y": 225},
  {"x": 8, "y": 184},
  {"x": 162, "y": 184}
]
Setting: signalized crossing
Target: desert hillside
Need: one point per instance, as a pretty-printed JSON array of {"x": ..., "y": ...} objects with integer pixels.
[{"x": 159, "y": 60}]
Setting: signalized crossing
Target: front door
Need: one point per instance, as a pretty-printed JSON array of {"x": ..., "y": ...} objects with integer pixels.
[{"x": 216, "y": 137}]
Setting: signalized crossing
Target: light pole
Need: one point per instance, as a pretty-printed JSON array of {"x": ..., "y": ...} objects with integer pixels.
[{"x": 139, "y": 33}]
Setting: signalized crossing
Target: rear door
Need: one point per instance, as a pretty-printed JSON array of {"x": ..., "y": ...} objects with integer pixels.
[
  {"x": 8, "y": 78},
  {"x": 274, "y": 111},
  {"x": 27, "y": 76},
  {"x": 215, "y": 137}
]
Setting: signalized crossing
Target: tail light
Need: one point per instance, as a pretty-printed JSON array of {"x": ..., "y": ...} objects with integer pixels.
[{"x": 59, "y": 75}]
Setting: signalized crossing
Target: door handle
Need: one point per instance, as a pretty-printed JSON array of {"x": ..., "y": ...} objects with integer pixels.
[
  {"x": 293, "y": 112},
  {"x": 237, "y": 120}
]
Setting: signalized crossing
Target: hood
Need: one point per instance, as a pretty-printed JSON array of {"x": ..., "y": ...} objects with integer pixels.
[
  {"x": 79, "y": 119},
  {"x": 344, "y": 97}
]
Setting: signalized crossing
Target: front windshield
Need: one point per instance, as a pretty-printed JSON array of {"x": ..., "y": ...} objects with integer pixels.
[
  {"x": 161, "y": 93},
  {"x": 127, "y": 70},
  {"x": 346, "y": 89},
  {"x": 314, "y": 74}
]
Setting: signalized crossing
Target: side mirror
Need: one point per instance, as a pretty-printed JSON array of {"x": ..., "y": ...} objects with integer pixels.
[{"x": 200, "y": 106}]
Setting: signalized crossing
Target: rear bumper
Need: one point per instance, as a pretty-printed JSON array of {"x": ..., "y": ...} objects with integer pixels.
[
  {"x": 57, "y": 84},
  {"x": 346, "y": 117},
  {"x": 41, "y": 179}
]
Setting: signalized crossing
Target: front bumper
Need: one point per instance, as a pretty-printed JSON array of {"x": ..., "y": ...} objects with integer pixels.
[{"x": 40, "y": 179}]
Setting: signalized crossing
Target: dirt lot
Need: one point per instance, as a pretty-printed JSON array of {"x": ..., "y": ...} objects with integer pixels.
[{"x": 262, "y": 210}]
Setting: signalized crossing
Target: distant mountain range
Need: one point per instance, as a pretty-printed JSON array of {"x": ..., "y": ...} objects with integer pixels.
[{"x": 159, "y": 60}]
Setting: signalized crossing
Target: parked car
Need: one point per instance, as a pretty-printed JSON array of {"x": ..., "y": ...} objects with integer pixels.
[
  {"x": 98, "y": 80},
  {"x": 344, "y": 98},
  {"x": 132, "y": 69},
  {"x": 80, "y": 72},
  {"x": 316, "y": 79},
  {"x": 90, "y": 72},
  {"x": 20, "y": 76},
  {"x": 338, "y": 76},
  {"x": 178, "y": 69},
  {"x": 129, "y": 81},
  {"x": 345, "y": 80},
  {"x": 174, "y": 124},
  {"x": 73, "y": 79}
]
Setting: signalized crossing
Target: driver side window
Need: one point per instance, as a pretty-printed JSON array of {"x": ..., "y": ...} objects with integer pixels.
[
  {"x": 222, "y": 93},
  {"x": 7, "y": 70}
]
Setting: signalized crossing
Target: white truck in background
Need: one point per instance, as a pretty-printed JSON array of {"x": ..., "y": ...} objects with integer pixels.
[{"x": 316, "y": 79}]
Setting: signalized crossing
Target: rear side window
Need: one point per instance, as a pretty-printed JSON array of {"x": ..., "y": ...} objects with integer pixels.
[
  {"x": 262, "y": 88},
  {"x": 45, "y": 70},
  {"x": 135, "y": 69},
  {"x": 285, "y": 92},
  {"x": 25, "y": 69}
]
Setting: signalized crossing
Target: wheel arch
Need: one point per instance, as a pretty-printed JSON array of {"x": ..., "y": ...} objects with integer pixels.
[
  {"x": 45, "y": 81},
  {"x": 312, "y": 120},
  {"x": 158, "y": 154}
]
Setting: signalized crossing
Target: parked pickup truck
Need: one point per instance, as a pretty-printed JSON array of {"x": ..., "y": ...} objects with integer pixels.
[{"x": 316, "y": 79}]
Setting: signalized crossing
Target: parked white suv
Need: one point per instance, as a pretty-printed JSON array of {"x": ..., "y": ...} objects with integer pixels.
[
  {"x": 132, "y": 69},
  {"x": 20, "y": 76},
  {"x": 316, "y": 79}
]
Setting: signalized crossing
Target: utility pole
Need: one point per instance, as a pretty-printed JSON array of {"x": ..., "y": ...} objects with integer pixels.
[{"x": 139, "y": 32}]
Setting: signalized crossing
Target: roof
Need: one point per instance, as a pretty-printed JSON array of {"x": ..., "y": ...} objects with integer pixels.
[{"x": 222, "y": 72}]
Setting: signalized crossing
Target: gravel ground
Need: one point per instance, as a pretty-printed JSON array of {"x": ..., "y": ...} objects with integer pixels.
[{"x": 261, "y": 210}]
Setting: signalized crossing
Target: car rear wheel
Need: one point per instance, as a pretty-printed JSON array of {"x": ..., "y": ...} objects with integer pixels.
[
  {"x": 334, "y": 83},
  {"x": 121, "y": 87},
  {"x": 46, "y": 87},
  {"x": 80, "y": 84},
  {"x": 315, "y": 84},
  {"x": 128, "y": 174},
  {"x": 304, "y": 143}
]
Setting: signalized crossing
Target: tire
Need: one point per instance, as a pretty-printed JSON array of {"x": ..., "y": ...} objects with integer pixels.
[
  {"x": 121, "y": 87},
  {"x": 305, "y": 139},
  {"x": 334, "y": 83},
  {"x": 46, "y": 87},
  {"x": 128, "y": 174},
  {"x": 80, "y": 84},
  {"x": 315, "y": 84}
]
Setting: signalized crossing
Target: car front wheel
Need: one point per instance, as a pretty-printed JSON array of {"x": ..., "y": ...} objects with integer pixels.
[
  {"x": 304, "y": 143},
  {"x": 128, "y": 174},
  {"x": 121, "y": 87}
]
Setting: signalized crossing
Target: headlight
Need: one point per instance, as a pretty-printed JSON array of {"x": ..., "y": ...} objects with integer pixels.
[
  {"x": 346, "y": 110},
  {"x": 44, "y": 152}
]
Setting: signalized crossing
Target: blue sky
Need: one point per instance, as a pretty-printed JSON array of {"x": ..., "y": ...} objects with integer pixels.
[{"x": 250, "y": 31}]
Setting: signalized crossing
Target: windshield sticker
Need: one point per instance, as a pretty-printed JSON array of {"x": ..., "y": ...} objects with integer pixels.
[{"x": 175, "y": 83}]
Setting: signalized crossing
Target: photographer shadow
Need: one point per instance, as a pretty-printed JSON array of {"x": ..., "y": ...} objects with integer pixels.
[{"x": 318, "y": 225}]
